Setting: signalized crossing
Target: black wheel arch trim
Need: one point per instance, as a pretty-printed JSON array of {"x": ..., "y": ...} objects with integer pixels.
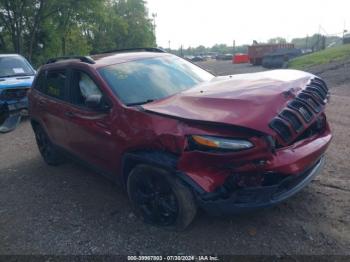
[
  {"x": 35, "y": 121},
  {"x": 158, "y": 158}
]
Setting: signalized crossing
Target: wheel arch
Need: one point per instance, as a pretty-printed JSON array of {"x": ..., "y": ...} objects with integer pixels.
[
  {"x": 35, "y": 122},
  {"x": 162, "y": 159}
]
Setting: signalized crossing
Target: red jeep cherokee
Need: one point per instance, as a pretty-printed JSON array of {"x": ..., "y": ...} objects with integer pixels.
[{"x": 176, "y": 136}]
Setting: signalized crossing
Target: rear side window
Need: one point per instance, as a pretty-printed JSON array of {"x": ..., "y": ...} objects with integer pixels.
[
  {"x": 40, "y": 83},
  {"x": 55, "y": 83}
]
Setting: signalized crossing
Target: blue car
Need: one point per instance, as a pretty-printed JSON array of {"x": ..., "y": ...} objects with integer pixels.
[{"x": 16, "y": 77}]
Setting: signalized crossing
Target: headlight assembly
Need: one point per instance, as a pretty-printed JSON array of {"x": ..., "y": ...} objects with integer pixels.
[{"x": 218, "y": 143}]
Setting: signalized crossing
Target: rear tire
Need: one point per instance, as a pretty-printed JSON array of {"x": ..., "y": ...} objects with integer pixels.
[
  {"x": 47, "y": 150},
  {"x": 160, "y": 199}
]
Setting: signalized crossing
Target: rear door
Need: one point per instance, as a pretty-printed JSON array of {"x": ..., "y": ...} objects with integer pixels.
[
  {"x": 90, "y": 134},
  {"x": 49, "y": 104}
]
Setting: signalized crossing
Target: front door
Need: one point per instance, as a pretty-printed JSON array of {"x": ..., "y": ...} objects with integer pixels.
[{"x": 89, "y": 131}]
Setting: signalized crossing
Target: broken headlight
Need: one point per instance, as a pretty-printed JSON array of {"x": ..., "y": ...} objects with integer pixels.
[{"x": 218, "y": 143}]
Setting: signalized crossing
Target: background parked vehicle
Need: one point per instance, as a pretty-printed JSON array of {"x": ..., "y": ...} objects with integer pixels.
[
  {"x": 16, "y": 77},
  {"x": 256, "y": 52},
  {"x": 280, "y": 57},
  {"x": 224, "y": 57},
  {"x": 198, "y": 58}
]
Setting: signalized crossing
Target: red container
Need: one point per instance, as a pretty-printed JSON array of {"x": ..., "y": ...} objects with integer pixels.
[{"x": 240, "y": 59}]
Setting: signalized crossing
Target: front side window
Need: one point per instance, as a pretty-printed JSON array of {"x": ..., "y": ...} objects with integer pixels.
[
  {"x": 11, "y": 66},
  {"x": 82, "y": 86},
  {"x": 55, "y": 83},
  {"x": 87, "y": 86},
  {"x": 141, "y": 81}
]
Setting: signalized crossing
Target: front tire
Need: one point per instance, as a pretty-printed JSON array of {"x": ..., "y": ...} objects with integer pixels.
[
  {"x": 47, "y": 150},
  {"x": 160, "y": 198}
]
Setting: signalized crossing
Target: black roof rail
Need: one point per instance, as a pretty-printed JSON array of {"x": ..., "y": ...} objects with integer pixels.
[
  {"x": 85, "y": 59},
  {"x": 138, "y": 49}
]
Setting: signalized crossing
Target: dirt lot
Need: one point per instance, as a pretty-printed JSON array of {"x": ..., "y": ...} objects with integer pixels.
[{"x": 71, "y": 210}]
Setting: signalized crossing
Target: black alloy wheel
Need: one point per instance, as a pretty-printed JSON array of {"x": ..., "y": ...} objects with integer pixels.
[{"x": 160, "y": 198}]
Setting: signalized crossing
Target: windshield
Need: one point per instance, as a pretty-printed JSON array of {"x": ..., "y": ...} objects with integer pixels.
[
  {"x": 142, "y": 81},
  {"x": 14, "y": 66}
]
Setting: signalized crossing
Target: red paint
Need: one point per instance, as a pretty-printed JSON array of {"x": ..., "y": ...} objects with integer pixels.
[
  {"x": 240, "y": 59},
  {"x": 218, "y": 108}
]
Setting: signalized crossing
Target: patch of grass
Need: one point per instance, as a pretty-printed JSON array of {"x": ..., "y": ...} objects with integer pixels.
[{"x": 322, "y": 57}]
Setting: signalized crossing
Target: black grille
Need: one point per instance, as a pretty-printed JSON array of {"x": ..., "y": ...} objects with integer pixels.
[
  {"x": 307, "y": 105},
  {"x": 292, "y": 119},
  {"x": 316, "y": 96},
  {"x": 310, "y": 100},
  {"x": 317, "y": 90},
  {"x": 13, "y": 94},
  {"x": 321, "y": 83},
  {"x": 302, "y": 109},
  {"x": 281, "y": 128}
]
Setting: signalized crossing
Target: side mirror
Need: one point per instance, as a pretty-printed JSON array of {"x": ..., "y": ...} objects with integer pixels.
[{"x": 97, "y": 102}]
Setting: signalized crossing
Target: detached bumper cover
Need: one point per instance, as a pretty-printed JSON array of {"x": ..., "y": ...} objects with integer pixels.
[
  {"x": 247, "y": 199},
  {"x": 11, "y": 113}
]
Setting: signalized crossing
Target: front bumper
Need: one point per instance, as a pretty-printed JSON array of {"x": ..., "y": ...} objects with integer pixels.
[
  {"x": 13, "y": 107},
  {"x": 248, "y": 199},
  {"x": 17, "y": 105},
  {"x": 11, "y": 113},
  {"x": 14, "y": 99}
]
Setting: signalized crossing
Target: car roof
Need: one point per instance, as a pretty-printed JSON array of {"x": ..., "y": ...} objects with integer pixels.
[
  {"x": 117, "y": 58},
  {"x": 104, "y": 59}
]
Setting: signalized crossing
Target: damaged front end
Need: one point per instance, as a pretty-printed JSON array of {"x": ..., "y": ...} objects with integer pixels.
[
  {"x": 260, "y": 176},
  {"x": 271, "y": 167},
  {"x": 13, "y": 105},
  {"x": 16, "y": 79},
  {"x": 267, "y": 190},
  {"x": 247, "y": 141}
]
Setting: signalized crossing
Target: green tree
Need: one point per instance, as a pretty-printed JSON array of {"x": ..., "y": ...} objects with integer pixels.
[
  {"x": 40, "y": 29},
  {"x": 140, "y": 28}
]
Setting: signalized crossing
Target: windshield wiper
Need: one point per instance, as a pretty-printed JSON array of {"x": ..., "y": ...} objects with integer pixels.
[{"x": 140, "y": 103}]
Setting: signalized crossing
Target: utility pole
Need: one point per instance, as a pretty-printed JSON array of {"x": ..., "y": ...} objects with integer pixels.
[
  {"x": 169, "y": 45},
  {"x": 233, "y": 46}
]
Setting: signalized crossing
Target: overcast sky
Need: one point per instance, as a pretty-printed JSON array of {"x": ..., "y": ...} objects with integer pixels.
[{"x": 206, "y": 22}]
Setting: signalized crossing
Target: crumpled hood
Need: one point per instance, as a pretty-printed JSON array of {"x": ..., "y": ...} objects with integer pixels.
[
  {"x": 13, "y": 82},
  {"x": 246, "y": 100}
]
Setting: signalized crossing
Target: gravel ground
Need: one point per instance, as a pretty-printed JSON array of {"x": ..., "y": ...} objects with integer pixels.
[{"x": 71, "y": 210}]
